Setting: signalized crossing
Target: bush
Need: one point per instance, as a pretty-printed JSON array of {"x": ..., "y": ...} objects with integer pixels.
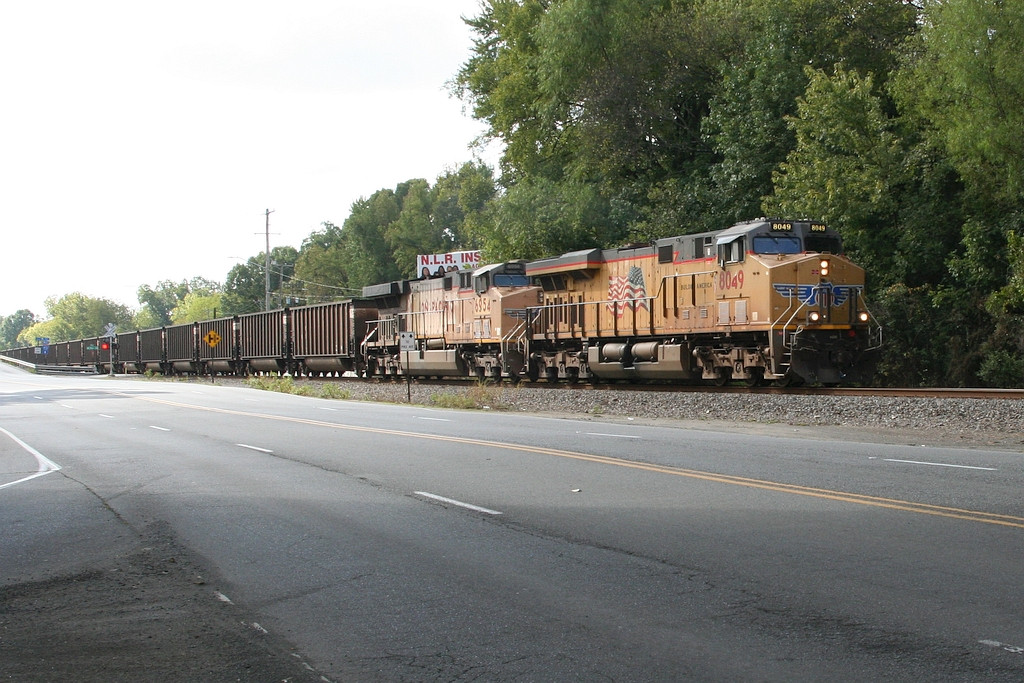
[{"x": 481, "y": 396}]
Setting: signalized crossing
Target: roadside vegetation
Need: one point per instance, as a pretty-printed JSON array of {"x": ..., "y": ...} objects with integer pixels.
[{"x": 288, "y": 385}]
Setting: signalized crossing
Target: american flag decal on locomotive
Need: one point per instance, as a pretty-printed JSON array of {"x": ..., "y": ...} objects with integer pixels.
[{"x": 622, "y": 290}]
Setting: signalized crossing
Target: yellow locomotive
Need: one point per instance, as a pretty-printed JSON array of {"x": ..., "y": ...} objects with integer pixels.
[
  {"x": 463, "y": 324},
  {"x": 763, "y": 300}
]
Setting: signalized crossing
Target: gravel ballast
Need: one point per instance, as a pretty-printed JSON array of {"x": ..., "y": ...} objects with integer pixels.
[{"x": 959, "y": 422}]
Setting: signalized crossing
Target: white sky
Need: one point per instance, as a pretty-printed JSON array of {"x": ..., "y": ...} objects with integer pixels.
[{"x": 142, "y": 141}]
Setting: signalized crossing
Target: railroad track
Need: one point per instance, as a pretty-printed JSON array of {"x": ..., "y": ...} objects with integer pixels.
[{"x": 969, "y": 392}]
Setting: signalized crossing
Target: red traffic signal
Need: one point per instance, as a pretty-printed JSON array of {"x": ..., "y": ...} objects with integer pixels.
[{"x": 104, "y": 346}]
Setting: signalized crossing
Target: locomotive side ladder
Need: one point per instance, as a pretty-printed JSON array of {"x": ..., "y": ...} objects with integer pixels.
[{"x": 515, "y": 340}]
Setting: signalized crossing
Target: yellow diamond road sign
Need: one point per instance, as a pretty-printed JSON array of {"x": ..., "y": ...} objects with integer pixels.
[{"x": 212, "y": 338}]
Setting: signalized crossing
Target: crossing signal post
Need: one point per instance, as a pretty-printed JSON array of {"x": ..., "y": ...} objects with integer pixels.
[
  {"x": 107, "y": 344},
  {"x": 407, "y": 343}
]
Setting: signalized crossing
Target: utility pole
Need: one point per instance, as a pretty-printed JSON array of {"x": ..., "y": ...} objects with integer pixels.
[{"x": 266, "y": 266}]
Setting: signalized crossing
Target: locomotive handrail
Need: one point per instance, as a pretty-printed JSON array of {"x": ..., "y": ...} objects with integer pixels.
[
  {"x": 416, "y": 314},
  {"x": 872, "y": 344},
  {"x": 803, "y": 304},
  {"x": 520, "y": 340},
  {"x": 383, "y": 326},
  {"x": 369, "y": 336},
  {"x": 874, "y": 334},
  {"x": 659, "y": 293},
  {"x": 596, "y": 305}
]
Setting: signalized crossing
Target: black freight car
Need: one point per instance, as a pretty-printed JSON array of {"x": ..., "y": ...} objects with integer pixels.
[
  {"x": 182, "y": 352},
  {"x": 326, "y": 338},
  {"x": 128, "y": 352},
  {"x": 218, "y": 346},
  {"x": 263, "y": 341}
]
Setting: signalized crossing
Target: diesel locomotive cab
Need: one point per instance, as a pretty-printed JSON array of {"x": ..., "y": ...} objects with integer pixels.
[{"x": 820, "y": 327}]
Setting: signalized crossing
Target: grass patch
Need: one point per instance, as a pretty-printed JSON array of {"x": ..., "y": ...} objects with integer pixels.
[
  {"x": 282, "y": 385},
  {"x": 288, "y": 385},
  {"x": 481, "y": 396},
  {"x": 334, "y": 391}
]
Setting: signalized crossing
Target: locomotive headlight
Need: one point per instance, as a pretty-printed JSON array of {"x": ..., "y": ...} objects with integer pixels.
[
  {"x": 814, "y": 316},
  {"x": 823, "y": 266},
  {"x": 863, "y": 316}
]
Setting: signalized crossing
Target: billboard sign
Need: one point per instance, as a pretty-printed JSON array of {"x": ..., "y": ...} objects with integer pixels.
[{"x": 436, "y": 265}]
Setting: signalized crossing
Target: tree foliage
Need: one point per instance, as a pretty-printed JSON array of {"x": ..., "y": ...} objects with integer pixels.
[
  {"x": 965, "y": 77},
  {"x": 159, "y": 303},
  {"x": 245, "y": 289},
  {"x": 198, "y": 306},
  {"x": 76, "y": 316},
  {"x": 12, "y": 325}
]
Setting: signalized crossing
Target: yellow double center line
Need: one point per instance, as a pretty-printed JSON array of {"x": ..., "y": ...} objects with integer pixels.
[{"x": 795, "y": 489}]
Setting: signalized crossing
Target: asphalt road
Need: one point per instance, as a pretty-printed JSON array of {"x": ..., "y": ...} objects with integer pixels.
[{"x": 392, "y": 542}]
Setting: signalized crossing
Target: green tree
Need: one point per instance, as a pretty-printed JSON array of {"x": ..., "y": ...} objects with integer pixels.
[
  {"x": 76, "y": 316},
  {"x": 321, "y": 268},
  {"x": 846, "y": 165},
  {"x": 284, "y": 290},
  {"x": 501, "y": 82},
  {"x": 55, "y": 329},
  {"x": 671, "y": 112},
  {"x": 13, "y": 325},
  {"x": 197, "y": 306},
  {"x": 1003, "y": 365},
  {"x": 413, "y": 231},
  {"x": 540, "y": 217},
  {"x": 159, "y": 302},
  {"x": 964, "y": 76},
  {"x": 244, "y": 287},
  {"x": 368, "y": 253},
  {"x": 461, "y": 200},
  {"x": 244, "y": 290},
  {"x": 760, "y": 86}
]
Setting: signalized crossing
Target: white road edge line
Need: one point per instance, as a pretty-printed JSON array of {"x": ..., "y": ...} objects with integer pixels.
[
  {"x": 162, "y": 429},
  {"x": 45, "y": 464},
  {"x": 614, "y": 436},
  {"x": 432, "y": 419},
  {"x": 940, "y": 464},
  {"x": 1015, "y": 649},
  {"x": 451, "y": 501},
  {"x": 254, "y": 448}
]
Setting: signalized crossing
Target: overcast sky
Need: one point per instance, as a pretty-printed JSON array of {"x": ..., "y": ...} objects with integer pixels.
[{"x": 143, "y": 141}]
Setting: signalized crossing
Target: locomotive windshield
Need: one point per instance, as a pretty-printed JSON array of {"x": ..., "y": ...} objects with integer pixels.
[
  {"x": 823, "y": 243},
  {"x": 777, "y": 244},
  {"x": 791, "y": 244},
  {"x": 505, "y": 280}
]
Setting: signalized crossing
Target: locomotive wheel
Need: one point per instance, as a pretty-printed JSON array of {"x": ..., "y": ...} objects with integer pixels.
[
  {"x": 550, "y": 374},
  {"x": 533, "y": 371},
  {"x": 789, "y": 380},
  {"x": 722, "y": 378},
  {"x": 755, "y": 378},
  {"x": 572, "y": 375}
]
